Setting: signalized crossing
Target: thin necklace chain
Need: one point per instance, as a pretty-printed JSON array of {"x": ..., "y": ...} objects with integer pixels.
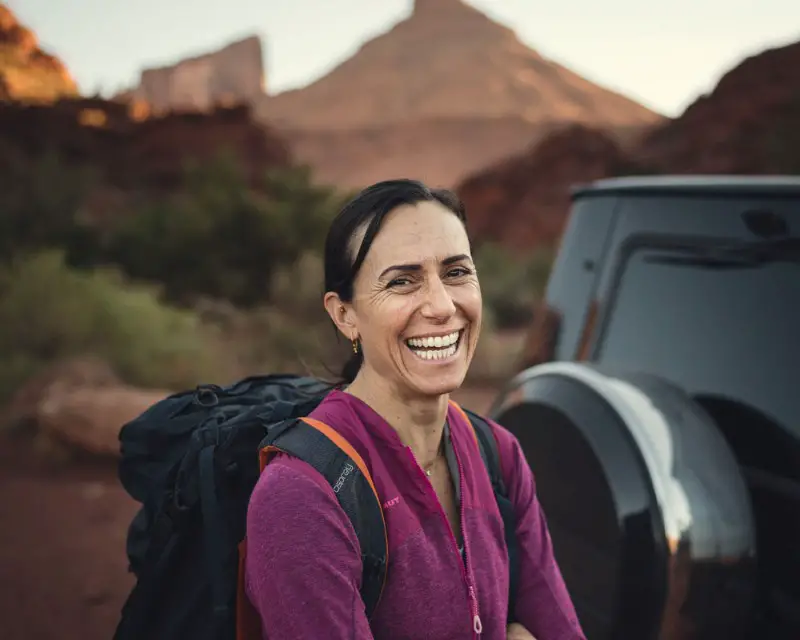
[{"x": 431, "y": 465}]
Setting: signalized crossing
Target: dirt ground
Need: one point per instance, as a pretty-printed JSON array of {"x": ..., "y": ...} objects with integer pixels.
[
  {"x": 62, "y": 553},
  {"x": 63, "y": 570}
]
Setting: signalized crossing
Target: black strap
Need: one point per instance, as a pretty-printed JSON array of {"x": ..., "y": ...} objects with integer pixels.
[
  {"x": 136, "y": 610},
  {"x": 491, "y": 458},
  {"x": 355, "y": 495},
  {"x": 213, "y": 535}
]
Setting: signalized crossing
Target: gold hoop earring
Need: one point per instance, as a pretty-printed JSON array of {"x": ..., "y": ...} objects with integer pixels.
[{"x": 355, "y": 346}]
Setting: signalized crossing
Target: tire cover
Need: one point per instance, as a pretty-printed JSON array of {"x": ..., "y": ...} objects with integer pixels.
[{"x": 649, "y": 515}]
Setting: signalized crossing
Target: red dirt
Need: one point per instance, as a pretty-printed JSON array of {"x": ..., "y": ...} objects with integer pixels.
[
  {"x": 62, "y": 547},
  {"x": 62, "y": 542}
]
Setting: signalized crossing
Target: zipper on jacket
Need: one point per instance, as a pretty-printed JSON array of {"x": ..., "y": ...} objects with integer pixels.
[{"x": 477, "y": 626}]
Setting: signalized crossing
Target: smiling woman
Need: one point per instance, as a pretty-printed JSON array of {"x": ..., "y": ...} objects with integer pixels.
[
  {"x": 415, "y": 288},
  {"x": 402, "y": 287}
]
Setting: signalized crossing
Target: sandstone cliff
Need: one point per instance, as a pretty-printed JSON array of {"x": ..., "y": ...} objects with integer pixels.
[
  {"x": 231, "y": 75},
  {"x": 438, "y": 97},
  {"x": 750, "y": 123},
  {"x": 27, "y": 73},
  {"x": 448, "y": 60}
]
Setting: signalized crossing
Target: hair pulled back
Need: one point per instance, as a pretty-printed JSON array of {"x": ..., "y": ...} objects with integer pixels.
[{"x": 368, "y": 209}]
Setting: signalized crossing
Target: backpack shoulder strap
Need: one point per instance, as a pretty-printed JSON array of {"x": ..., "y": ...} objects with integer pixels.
[
  {"x": 488, "y": 447},
  {"x": 487, "y": 444},
  {"x": 336, "y": 459}
]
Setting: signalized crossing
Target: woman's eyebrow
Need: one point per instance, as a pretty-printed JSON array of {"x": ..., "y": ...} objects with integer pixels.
[
  {"x": 401, "y": 267},
  {"x": 417, "y": 267},
  {"x": 454, "y": 259}
]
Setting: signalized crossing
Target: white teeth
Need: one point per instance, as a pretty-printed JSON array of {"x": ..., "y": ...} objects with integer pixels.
[
  {"x": 437, "y": 354},
  {"x": 434, "y": 342}
]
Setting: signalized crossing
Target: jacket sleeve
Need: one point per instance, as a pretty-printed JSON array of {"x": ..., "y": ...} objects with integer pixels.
[
  {"x": 543, "y": 605},
  {"x": 303, "y": 563}
]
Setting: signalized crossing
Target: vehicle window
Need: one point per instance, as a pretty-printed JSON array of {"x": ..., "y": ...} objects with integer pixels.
[
  {"x": 572, "y": 281},
  {"x": 729, "y": 330}
]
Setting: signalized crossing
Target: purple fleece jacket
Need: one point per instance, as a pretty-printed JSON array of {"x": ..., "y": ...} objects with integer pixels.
[{"x": 303, "y": 566}]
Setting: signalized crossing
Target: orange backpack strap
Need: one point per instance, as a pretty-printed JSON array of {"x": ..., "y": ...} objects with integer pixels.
[
  {"x": 337, "y": 460},
  {"x": 466, "y": 419},
  {"x": 487, "y": 445}
]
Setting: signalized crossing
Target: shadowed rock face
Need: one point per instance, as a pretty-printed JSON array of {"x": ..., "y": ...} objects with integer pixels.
[
  {"x": 134, "y": 153},
  {"x": 27, "y": 73},
  {"x": 749, "y": 124},
  {"x": 231, "y": 75},
  {"x": 447, "y": 60},
  {"x": 523, "y": 201}
]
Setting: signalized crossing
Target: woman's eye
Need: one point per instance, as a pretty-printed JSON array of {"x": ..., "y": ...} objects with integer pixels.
[
  {"x": 400, "y": 282},
  {"x": 459, "y": 272}
]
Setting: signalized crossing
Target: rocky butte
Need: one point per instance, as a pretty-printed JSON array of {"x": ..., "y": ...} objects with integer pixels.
[
  {"x": 27, "y": 73},
  {"x": 231, "y": 75},
  {"x": 130, "y": 147},
  {"x": 442, "y": 94},
  {"x": 448, "y": 60}
]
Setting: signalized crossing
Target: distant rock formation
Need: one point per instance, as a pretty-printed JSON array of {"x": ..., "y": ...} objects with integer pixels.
[
  {"x": 231, "y": 75},
  {"x": 438, "y": 97},
  {"x": 749, "y": 124},
  {"x": 448, "y": 60},
  {"x": 27, "y": 73}
]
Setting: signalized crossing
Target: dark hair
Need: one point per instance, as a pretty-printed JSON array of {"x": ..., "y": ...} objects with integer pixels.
[{"x": 370, "y": 207}]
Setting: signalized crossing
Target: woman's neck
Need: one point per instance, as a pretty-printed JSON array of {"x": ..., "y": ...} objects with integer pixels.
[{"x": 418, "y": 421}]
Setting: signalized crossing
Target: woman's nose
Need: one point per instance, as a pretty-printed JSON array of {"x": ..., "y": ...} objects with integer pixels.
[{"x": 438, "y": 301}]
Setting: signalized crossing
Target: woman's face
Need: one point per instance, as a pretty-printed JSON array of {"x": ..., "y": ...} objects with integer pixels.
[{"x": 417, "y": 302}]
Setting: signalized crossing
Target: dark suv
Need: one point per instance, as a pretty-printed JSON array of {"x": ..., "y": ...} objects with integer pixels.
[{"x": 663, "y": 426}]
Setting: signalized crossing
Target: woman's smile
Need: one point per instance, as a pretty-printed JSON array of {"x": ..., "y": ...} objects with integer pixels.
[{"x": 438, "y": 349}]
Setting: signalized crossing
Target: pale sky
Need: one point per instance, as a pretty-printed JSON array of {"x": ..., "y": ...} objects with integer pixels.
[{"x": 661, "y": 57}]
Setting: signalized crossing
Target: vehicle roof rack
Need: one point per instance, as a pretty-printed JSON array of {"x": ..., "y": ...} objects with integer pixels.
[{"x": 672, "y": 185}]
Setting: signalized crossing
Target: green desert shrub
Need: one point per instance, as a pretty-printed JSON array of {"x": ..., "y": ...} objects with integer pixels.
[{"x": 49, "y": 312}]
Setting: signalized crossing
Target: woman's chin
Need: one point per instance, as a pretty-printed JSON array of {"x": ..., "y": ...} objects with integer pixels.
[{"x": 438, "y": 384}]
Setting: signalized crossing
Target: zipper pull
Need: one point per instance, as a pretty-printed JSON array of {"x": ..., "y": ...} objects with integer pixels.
[{"x": 477, "y": 625}]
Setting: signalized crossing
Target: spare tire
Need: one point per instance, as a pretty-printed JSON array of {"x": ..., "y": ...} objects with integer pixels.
[{"x": 650, "y": 517}]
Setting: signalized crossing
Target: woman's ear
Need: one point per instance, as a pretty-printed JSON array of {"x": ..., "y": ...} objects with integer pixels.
[{"x": 342, "y": 314}]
